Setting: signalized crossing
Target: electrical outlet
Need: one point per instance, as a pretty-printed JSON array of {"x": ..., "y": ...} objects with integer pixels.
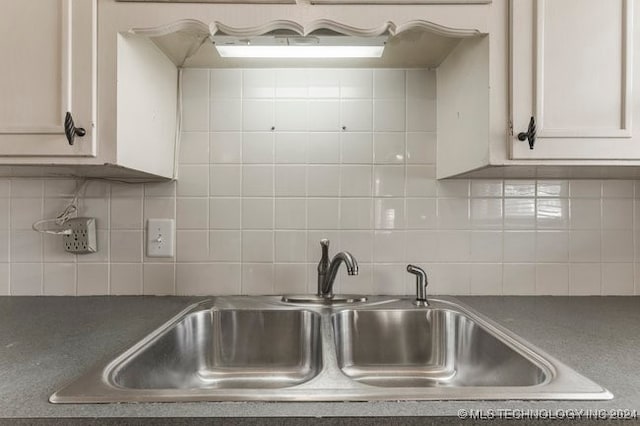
[
  {"x": 82, "y": 239},
  {"x": 160, "y": 237}
]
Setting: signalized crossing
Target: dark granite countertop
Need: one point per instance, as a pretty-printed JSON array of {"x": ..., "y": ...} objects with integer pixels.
[{"x": 48, "y": 341}]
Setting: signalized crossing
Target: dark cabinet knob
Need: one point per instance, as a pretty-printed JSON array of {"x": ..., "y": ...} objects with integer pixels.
[
  {"x": 530, "y": 135},
  {"x": 70, "y": 129}
]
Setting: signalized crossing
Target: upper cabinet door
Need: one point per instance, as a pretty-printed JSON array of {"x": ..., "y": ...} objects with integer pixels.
[
  {"x": 571, "y": 70},
  {"x": 47, "y": 50}
]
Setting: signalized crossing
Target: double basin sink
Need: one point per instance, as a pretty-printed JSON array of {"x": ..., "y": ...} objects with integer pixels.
[{"x": 262, "y": 349}]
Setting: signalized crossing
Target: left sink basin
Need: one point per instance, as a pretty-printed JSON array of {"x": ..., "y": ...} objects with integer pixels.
[
  {"x": 227, "y": 349},
  {"x": 209, "y": 350}
]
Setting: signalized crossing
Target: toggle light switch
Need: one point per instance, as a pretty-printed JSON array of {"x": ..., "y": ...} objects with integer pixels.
[{"x": 160, "y": 237}]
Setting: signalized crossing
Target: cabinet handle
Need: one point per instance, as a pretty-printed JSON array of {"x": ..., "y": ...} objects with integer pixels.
[
  {"x": 70, "y": 129},
  {"x": 531, "y": 133}
]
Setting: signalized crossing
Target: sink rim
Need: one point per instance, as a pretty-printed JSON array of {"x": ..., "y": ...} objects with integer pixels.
[{"x": 331, "y": 384}]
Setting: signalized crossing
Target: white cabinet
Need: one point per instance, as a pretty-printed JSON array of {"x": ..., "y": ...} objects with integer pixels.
[
  {"x": 569, "y": 64},
  {"x": 51, "y": 67},
  {"x": 47, "y": 55},
  {"x": 571, "y": 69}
]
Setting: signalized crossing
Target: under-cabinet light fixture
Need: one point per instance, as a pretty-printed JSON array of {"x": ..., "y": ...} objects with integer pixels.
[{"x": 300, "y": 47}]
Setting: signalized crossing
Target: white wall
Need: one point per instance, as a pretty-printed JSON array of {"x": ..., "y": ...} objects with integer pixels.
[{"x": 251, "y": 204}]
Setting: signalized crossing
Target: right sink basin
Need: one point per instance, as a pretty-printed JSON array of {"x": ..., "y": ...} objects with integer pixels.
[{"x": 427, "y": 348}]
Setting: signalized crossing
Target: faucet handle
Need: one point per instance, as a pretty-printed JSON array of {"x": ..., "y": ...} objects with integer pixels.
[
  {"x": 421, "y": 284},
  {"x": 324, "y": 245},
  {"x": 323, "y": 265}
]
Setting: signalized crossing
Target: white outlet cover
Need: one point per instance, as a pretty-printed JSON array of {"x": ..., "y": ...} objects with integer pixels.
[{"x": 160, "y": 237}]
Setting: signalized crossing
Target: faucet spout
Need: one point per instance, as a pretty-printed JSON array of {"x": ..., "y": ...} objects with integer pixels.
[{"x": 350, "y": 263}]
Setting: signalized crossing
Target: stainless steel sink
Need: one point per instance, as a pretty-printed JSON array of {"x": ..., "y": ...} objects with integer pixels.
[
  {"x": 427, "y": 347},
  {"x": 262, "y": 349}
]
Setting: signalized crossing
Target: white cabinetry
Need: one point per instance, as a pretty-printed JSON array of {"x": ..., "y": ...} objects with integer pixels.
[
  {"x": 571, "y": 65},
  {"x": 567, "y": 63},
  {"x": 47, "y": 54},
  {"x": 572, "y": 69}
]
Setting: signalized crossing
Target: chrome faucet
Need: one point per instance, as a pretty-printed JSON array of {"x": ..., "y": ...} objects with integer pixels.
[
  {"x": 327, "y": 271},
  {"x": 421, "y": 285}
]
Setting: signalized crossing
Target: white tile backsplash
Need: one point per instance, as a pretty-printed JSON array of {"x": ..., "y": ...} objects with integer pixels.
[
  {"x": 271, "y": 161},
  {"x": 291, "y": 147},
  {"x": 388, "y": 84},
  {"x": 291, "y": 246},
  {"x": 323, "y": 213},
  {"x": 356, "y": 115},
  {"x": 323, "y": 115},
  {"x": 26, "y": 279},
  {"x": 225, "y": 84},
  {"x": 194, "y": 149},
  {"x": 552, "y": 279},
  {"x": 257, "y": 278},
  {"x": 193, "y": 181},
  {"x": 257, "y": 180},
  {"x": 224, "y": 246},
  {"x": 257, "y": 213},
  {"x": 192, "y": 213},
  {"x": 292, "y": 83},
  {"x": 126, "y": 246},
  {"x": 258, "y": 83},
  {"x": 323, "y": 147},
  {"x": 323, "y": 83},
  {"x": 224, "y": 213},
  {"x": 389, "y": 147},
  {"x": 158, "y": 279},
  {"x": 93, "y": 279},
  {"x": 389, "y": 181},
  {"x": 356, "y": 83},
  {"x": 389, "y": 115},
  {"x": 225, "y": 147},
  {"x": 59, "y": 279},
  {"x": 124, "y": 278},
  {"x": 226, "y": 180},
  {"x": 195, "y": 100},
  {"x": 257, "y": 147},
  {"x": 291, "y": 115},
  {"x": 585, "y": 279},
  {"x": 257, "y": 115},
  {"x": 356, "y": 148},
  {"x": 486, "y": 279}
]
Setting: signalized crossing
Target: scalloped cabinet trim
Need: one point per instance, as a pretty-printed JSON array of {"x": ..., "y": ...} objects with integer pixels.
[
  {"x": 326, "y": 24},
  {"x": 198, "y": 28},
  {"x": 412, "y": 44}
]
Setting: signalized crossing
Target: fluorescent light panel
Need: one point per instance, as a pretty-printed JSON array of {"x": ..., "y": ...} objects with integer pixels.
[
  {"x": 249, "y": 51},
  {"x": 298, "y": 47}
]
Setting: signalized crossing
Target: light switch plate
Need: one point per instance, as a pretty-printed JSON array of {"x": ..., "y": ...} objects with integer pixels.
[{"x": 160, "y": 237}]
